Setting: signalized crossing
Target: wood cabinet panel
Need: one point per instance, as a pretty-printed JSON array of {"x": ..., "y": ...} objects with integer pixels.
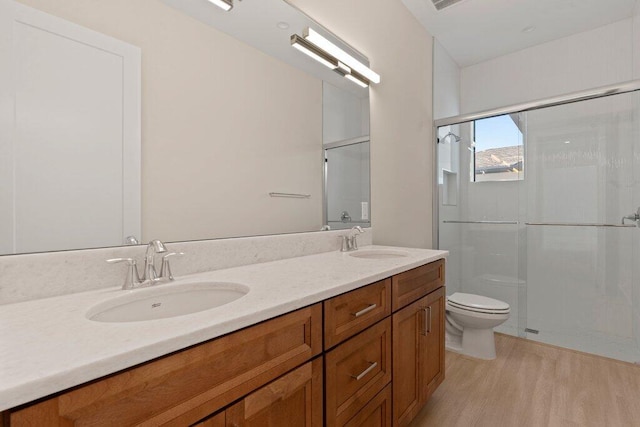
[
  {"x": 350, "y": 313},
  {"x": 377, "y": 413},
  {"x": 413, "y": 284},
  {"x": 187, "y": 386},
  {"x": 406, "y": 359},
  {"x": 217, "y": 420},
  {"x": 294, "y": 399},
  {"x": 356, "y": 371},
  {"x": 418, "y": 351},
  {"x": 432, "y": 344}
]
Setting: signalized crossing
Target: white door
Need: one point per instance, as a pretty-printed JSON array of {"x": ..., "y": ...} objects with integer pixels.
[{"x": 69, "y": 134}]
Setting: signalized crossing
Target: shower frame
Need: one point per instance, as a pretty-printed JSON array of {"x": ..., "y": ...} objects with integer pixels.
[{"x": 585, "y": 95}]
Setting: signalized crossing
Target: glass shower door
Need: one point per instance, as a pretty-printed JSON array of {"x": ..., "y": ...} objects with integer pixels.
[
  {"x": 581, "y": 262},
  {"x": 480, "y": 175},
  {"x": 347, "y": 188}
]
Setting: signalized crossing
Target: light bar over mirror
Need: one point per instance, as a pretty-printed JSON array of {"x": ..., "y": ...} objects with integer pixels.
[
  {"x": 314, "y": 37},
  {"x": 318, "y": 54},
  {"x": 328, "y": 54},
  {"x": 226, "y": 5}
]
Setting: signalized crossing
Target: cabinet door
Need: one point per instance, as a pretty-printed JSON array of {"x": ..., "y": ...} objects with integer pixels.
[
  {"x": 407, "y": 324},
  {"x": 294, "y": 399},
  {"x": 418, "y": 355},
  {"x": 432, "y": 344},
  {"x": 377, "y": 413}
]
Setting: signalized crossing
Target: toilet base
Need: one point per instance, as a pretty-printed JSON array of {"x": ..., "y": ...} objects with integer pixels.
[{"x": 479, "y": 343}]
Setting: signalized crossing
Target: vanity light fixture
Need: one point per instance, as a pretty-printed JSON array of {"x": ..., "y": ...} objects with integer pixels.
[
  {"x": 309, "y": 49},
  {"x": 226, "y": 5},
  {"x": 314, "y": 37},
  {"x": 360, "y": 81}
]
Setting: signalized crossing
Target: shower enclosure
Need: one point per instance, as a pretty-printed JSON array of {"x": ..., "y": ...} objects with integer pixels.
[
  {"x": 538, "y": 206},
  {"x": 346, "y": 186}
]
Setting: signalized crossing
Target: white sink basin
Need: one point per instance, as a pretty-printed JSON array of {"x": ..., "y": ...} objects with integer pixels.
[
  {"x": 379, "y": 254},
  {"x": 168, "y": 300}
]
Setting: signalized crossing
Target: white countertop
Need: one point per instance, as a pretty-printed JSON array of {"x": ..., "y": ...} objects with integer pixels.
[{"x": 48, "y": 345}]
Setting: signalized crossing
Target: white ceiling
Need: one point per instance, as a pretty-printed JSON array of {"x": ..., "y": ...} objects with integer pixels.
[{"x": 474, "y": 31}]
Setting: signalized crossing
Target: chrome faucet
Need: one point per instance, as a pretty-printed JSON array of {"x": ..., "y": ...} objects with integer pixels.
[
  {"x": 350, "y": 241},
  {"x": 633, "y": 217},
  {"x": 154, "y": 247},
  {"x": 150, "y": 276}
]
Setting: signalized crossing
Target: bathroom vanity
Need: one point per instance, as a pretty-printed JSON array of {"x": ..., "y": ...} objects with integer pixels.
[{"x": 366, "y": 348}]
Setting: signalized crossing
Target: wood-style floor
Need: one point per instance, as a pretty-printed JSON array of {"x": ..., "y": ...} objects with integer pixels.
[{"x": 532, "y": 384}]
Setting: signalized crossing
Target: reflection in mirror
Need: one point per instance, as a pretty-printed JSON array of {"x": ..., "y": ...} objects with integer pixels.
[
  {"x": 148, "y": 119},
  {"x": 347, "y": 183}
]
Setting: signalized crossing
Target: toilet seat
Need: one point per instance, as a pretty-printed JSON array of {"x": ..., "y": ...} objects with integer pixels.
[{"x": 477, "y": 304}]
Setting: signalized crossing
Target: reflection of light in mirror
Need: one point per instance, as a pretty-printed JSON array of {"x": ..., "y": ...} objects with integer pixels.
[
  {"x": 341, "y": 55},
  {"x": 223, "y": 4},
  {"x": 305, "y": 48},
  {"x": 356, "y": 80},
  {"x": 343, "y": 68}
]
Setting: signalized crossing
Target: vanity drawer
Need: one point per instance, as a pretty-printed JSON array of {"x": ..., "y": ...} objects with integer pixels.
[
  {"x": 187, "y": 386},
  {"x": 356, "y": 371},
  {"x": 350, "y": 313},
  {"x": 414, "y": 284},
  {"x": 377, "y": 413}
]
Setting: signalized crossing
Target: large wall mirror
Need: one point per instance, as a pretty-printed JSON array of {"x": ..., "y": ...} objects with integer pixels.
[{"x": 171, "y": 120}]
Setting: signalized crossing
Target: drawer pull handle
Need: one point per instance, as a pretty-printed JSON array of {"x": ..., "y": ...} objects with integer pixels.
[
  {"x": 365, "y": 310},
  {"x": 427, "y": 320},
  {"x": 371, "y": 367}
]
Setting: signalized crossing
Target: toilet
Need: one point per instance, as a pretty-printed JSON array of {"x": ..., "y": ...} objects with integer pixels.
[{"x": 470, "y": 320}]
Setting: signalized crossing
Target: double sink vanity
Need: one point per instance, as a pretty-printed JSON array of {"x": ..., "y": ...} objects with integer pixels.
[{"x": 335, "y": 338}]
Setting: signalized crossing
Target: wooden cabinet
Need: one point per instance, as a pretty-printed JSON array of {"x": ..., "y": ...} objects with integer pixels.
[
  {"x": 418, "y": 355},
  {"x": 407, "y": 287},
  {"x": 356, "y": 371},
  {"x": 383, "y": 357},
  {"x": 352, "y": 312},
  {"x": 187, "y": 386},
  {"x": 377, "y": 413},
  {"x": 294, "y": 399}
]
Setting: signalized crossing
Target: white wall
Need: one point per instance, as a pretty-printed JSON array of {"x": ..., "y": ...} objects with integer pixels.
[
  {"x": 582, "y": 61},
  {"x": 401, "y": 111},
  {"x": 636, "y": 41},
  {"x": 446, "y": 83}
]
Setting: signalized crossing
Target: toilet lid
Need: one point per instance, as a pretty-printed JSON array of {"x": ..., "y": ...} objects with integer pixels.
[{"x": 478, "y": 303}]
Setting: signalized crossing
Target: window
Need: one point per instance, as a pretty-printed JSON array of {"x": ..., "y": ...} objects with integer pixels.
[{"x": 497, "y": 151}]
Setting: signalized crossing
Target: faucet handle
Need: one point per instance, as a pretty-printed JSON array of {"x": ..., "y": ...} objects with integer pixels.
[
  {"x": 133, "y": 277},
  {"x": 353, "y": 235},
  {"x": 358, "y": 229},
  {"x": 165, "y": 268}
]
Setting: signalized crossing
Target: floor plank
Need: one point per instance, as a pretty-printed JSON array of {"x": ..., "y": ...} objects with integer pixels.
[{"x": 537, "y": 385}]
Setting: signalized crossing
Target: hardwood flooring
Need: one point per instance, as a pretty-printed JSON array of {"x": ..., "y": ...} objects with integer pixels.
[{"x": 532, "y": 384}]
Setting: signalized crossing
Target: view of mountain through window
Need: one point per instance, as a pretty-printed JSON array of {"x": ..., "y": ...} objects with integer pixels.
[{"x": 498, "y": 149}]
